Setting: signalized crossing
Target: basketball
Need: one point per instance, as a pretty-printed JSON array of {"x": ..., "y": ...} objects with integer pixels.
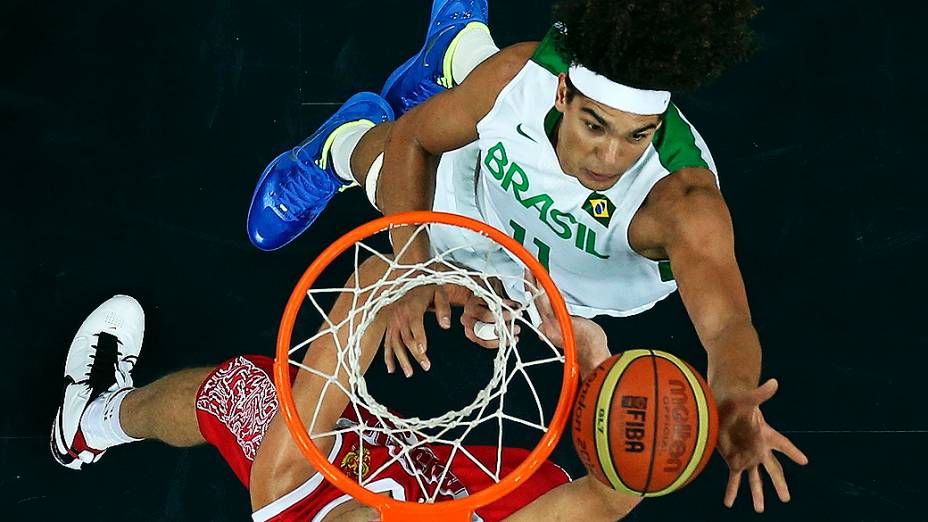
[{"x": 644, "y": 423}]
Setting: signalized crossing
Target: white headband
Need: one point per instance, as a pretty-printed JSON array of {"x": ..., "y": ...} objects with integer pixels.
[{"x": 616, "y": 95}]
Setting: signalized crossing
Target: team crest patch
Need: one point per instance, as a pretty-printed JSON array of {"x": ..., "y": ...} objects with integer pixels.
[
  {"x": 356, "y": 460},
  {"x": 599, "y": 208}
]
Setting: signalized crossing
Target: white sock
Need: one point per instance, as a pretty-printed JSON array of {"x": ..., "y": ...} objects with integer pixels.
[
  {"x": 100, "y": 422},
  {"x": 370, "y": 183},
  {"x": 346, "y": 139},
  {"x": 474, "y": 45}
]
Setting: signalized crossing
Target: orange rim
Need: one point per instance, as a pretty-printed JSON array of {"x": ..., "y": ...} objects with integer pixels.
[{"x": 397, "y": 510}]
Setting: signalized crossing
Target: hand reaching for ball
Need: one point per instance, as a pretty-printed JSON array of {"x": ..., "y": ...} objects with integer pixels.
[{"x": 589, "y": 338}]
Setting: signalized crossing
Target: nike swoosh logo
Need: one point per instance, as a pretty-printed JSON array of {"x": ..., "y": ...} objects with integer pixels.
[
  {"x": 431, "y": 44},
  {"x": 520, "y": 131}
]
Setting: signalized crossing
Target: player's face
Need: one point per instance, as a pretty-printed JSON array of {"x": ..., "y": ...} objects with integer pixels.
[{"x": 597, "y": 144}]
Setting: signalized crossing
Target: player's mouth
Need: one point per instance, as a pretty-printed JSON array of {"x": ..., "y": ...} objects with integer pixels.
[{"x": 599, "y": 177}]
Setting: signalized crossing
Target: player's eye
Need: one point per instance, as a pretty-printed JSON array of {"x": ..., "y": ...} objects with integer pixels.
[
  {"x": 638, "y": 137},
  {"x": 593, "y": 127}
]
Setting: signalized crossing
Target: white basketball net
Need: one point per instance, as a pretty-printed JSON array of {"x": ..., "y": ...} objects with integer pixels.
[{"x": 406, "y": 435}]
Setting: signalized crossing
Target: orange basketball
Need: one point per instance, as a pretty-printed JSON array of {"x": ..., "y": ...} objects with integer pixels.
[{"x": 645, "y": 423}]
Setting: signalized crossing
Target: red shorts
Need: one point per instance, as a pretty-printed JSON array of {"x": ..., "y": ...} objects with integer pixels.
[{"x": 237, "y": 401}]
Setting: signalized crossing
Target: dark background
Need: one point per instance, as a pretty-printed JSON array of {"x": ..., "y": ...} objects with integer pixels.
[{"x": 133, "y": 133}]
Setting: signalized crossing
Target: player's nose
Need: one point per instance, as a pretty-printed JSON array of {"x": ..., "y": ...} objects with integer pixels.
[{"x": 611, "y": 155}]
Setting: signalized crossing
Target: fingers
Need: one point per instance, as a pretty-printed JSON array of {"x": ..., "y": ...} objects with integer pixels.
[
  {"x": 399, "y": 351},
  {"x": 757, "y": 489},
  {"x": 469, "y": 324},
  {"x": 388, "y": 359},
  {"x": 496, "y": 286},
  {"x": 442, "y": 308},
  {"x": 530, "y": 278},
  {"x": 405, "y": 338},
  {"x": 510, "y": 305},
  {"x": 477, "y": 311},
  {"x": 731, "y": 489},
  {"x": 413, "y": 338},
  {"x": 542, "y": 303},
  {"x": 775, "y": 470},
  {"x": 765, "y": 391},
  {"x": 785, "y": 446},
  {"x": 395, "y": 352},
  {"x": 402, "y": 344}
]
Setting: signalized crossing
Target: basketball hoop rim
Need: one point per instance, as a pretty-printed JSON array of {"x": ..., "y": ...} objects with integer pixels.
[{"x": 319, "y": 461}]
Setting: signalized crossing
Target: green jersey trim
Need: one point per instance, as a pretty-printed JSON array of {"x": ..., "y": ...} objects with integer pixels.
[
  {"x": 665, "y": 270},
  {"x": 548, "y": 53},
  {"x": 551, "y": 120},
  {"x": 549, "y": 57},
  {"x": 676, "y": 143}
]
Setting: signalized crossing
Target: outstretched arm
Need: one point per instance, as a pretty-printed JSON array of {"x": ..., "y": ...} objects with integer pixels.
[{"x": 698, "y": 238}]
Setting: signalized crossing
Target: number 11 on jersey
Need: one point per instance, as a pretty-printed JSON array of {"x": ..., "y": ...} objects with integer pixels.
[{"x": 544, "y": 251}]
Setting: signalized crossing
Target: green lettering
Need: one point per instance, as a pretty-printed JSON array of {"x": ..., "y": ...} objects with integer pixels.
[
  {"x": 581, "y": 236},
  {"x": 565, "y": 231},
  {"x": 518, "y": 232},
  {"x": 591, "y": 245},
  {"x": 518, "y": 187},
  {"x": 497, "y": 157},
  {"x": 544, "y": 253},
  {"x": 541, "y": 199}
]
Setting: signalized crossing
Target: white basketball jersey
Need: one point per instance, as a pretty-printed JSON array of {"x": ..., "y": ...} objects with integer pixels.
[{"x": 510, "y": 178}]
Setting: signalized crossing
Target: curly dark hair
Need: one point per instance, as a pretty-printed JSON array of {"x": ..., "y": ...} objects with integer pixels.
[{"x": 673, "y": 45}]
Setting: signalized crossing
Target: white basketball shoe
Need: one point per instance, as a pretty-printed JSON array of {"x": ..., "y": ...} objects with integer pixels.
[{"x": 102, "y": 355}]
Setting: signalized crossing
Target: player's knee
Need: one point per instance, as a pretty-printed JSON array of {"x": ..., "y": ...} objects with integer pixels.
[{"x": 376, "y": 138}]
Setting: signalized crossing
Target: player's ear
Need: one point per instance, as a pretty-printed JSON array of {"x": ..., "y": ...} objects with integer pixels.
[{"x": 560, "y": 97}]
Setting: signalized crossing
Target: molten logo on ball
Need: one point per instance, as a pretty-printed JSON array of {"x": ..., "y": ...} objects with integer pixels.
[{"x": 680, "y": 431}]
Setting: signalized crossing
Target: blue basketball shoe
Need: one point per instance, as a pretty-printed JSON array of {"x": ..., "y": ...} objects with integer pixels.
[
  {"x": 429, "y": 72},
  {"x": 297, "y": 185}
]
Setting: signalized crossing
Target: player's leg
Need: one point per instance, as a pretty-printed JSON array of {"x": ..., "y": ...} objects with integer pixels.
[
  {"x": 456, "y": 42},
  {"x": 298, "y": 184},
  {"x": 165, "y": 410}
]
